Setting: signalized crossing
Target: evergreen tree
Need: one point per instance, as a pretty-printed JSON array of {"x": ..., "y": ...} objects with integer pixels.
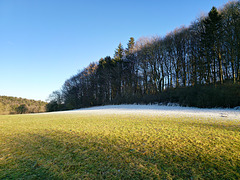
[
  {"x": 129, "y": 66},
  {"x": 119, "y": 52},
  {"x": 118, "y": 70},
  {"x": 130, "y": 46},
  {"x": 212, "y": 37}
]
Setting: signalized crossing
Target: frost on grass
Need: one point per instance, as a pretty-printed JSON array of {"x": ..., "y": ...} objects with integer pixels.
[
  {"x": 122, "y": 142},
  {"x": 231, "y": 114}
]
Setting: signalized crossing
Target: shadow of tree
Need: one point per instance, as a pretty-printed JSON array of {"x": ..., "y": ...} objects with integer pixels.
[{"x": 78, "y": 155}]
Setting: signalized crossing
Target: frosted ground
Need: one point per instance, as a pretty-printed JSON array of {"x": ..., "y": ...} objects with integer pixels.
[{"x": 231, "y": 114}]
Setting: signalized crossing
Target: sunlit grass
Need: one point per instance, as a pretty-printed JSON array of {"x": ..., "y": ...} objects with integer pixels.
[{"x": 78, "y": 146}]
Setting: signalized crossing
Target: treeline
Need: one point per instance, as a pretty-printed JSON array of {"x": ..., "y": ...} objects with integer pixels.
[
  {"x": 202, "y": 59},
  {"x": 14, "y": 105}
]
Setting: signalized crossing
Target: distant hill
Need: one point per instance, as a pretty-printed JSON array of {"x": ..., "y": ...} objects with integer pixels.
[{"x": 14, "y": 105}]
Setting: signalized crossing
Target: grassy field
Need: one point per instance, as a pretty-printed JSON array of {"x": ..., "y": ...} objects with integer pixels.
[{"x": 84, "y": 146}]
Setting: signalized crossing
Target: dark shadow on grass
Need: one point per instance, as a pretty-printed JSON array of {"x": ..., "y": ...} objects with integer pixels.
[
  {"x": 71, "y": 155},
  {"x": 26, "y": 169}
]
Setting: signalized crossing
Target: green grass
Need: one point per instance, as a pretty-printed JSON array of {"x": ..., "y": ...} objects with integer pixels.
[{"x": 78, "y": 146}]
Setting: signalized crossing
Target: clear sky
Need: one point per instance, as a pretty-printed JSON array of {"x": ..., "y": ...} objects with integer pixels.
[{"x": 45, "y": 42}]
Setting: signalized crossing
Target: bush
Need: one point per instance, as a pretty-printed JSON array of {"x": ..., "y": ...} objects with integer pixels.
[
  {"x": 22, "y": 109},
  {"x": 206, "y": 96}
]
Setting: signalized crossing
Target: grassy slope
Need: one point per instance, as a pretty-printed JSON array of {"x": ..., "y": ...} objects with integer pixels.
[{"x": 58, "y": 146}]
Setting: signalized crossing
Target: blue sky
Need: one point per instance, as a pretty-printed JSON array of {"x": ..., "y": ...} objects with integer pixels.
[{"x": 45, "y": 42}]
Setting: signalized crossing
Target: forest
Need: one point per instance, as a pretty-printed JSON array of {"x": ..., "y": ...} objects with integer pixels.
[
  {"x": 198, "y": 65},
  {"x": 14, "y": 105}
]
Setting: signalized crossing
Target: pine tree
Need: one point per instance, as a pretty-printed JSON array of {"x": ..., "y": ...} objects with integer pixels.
[
  {"x": 212, "y": 36},
  {"x": 129, "y": 66},
  {"x": 118, "y": 58},
  {"x": 130, "y": 46},
  {"x": 119, "y": 52}
]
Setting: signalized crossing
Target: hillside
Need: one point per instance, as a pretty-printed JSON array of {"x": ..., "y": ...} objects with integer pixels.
[
  {"x": 195, "y": 66},
  {"x": 14, "y": 105}
]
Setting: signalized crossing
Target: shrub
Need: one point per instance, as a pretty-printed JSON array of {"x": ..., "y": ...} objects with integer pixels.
[
  {"x": 22, "y": 109},
  {"x": 205, "y": 96}
]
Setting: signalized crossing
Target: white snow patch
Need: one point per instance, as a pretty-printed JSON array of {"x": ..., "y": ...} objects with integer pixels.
[{"x": 231, "y": 114}]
